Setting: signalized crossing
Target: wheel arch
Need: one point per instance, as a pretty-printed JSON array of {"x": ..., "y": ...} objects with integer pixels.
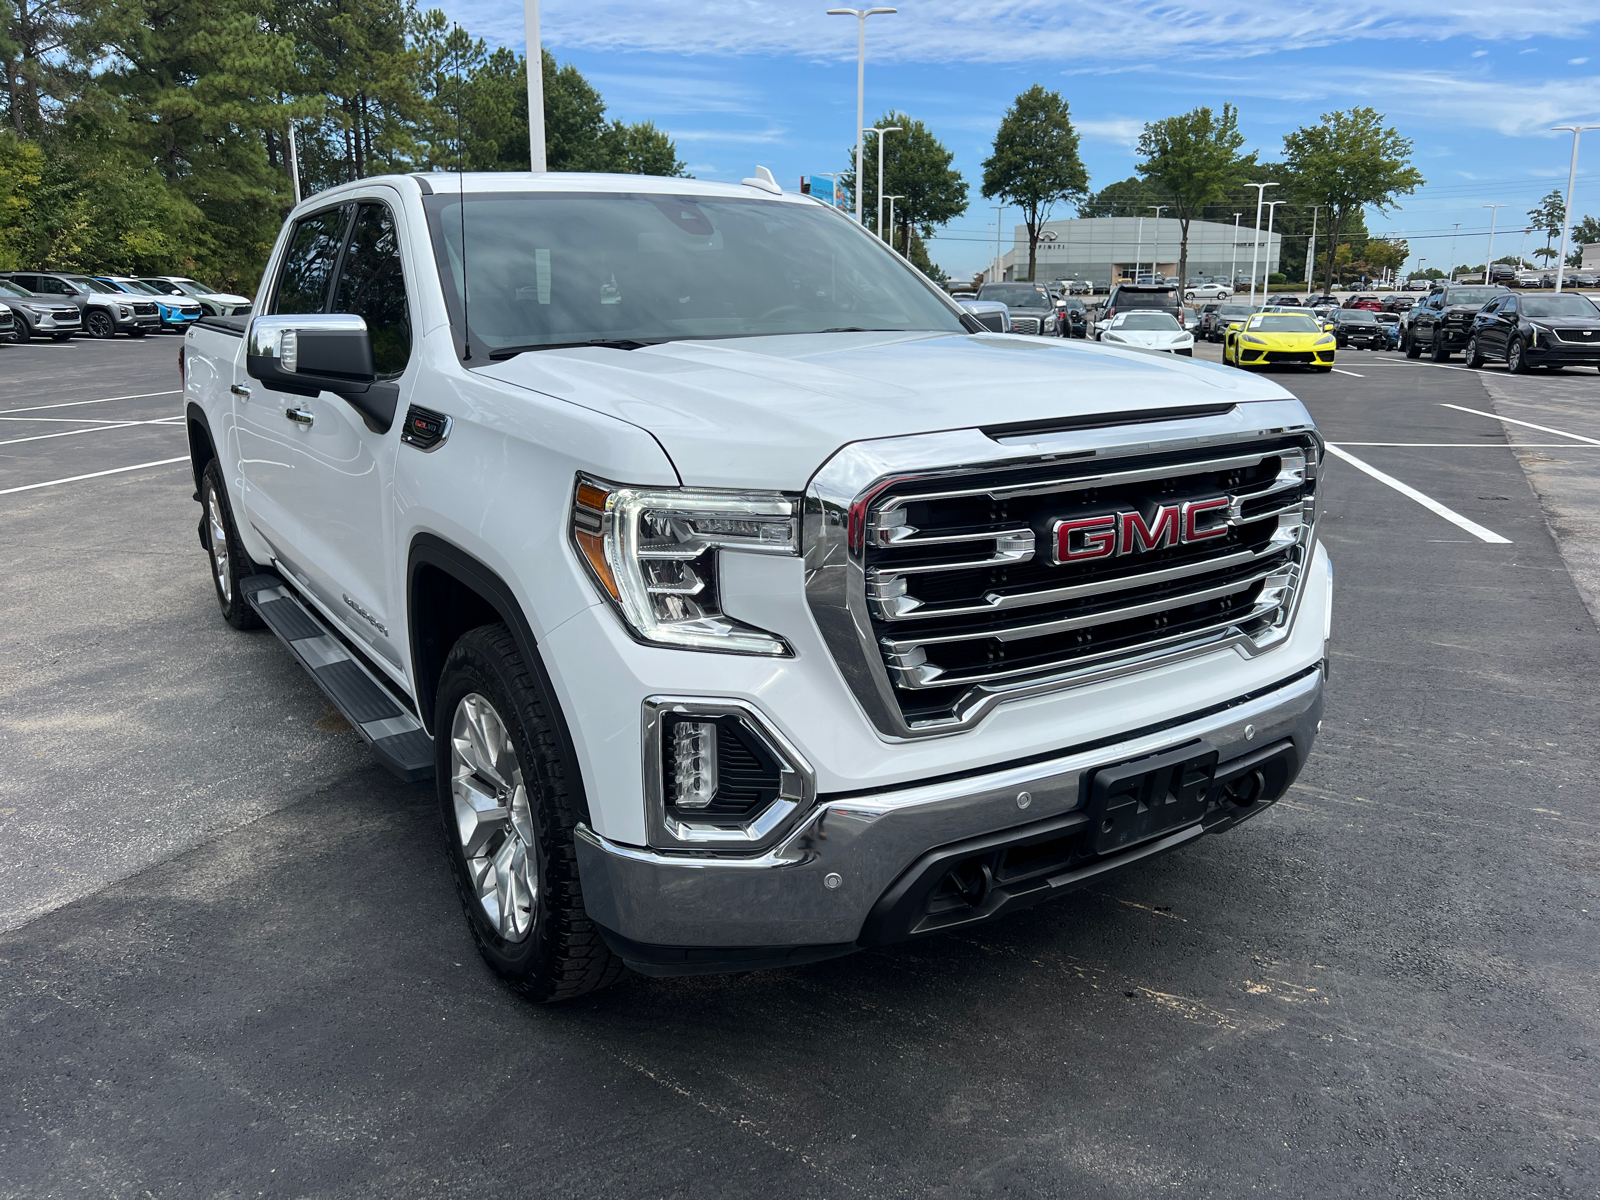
[
  {"x": 448, "y": 592},
  {"x": 202, "y": 446}
]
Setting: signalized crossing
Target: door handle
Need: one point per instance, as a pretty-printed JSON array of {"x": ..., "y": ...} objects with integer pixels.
[
  {"x": 299, "y": 416},
  {"x": 239, "y": 390}
]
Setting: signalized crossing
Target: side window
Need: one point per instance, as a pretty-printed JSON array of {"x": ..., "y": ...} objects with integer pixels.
[
  {"x": 372, "y": 285},
  {"x": 308, "y": 264},
  {"x": 1509, "y": 305},
  {"x": 1491, "y": 308}
]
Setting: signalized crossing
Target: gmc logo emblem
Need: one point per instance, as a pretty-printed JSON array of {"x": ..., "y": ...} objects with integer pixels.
[{"x": 1083, "y": 538}]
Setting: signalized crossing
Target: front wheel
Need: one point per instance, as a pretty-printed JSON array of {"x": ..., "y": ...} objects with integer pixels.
[
  {"x": 502, "y": 781},
  {"x": 1517, "y": 357},
  {"x": 60, "y": 337},
  {"x": 138, "y": 333},
  {"x": 100, "y": 325},
  {"x": 230, "y": 565},
  {"x": 1412, "y": 349},
  {"x": 1441, "y": 352},
  {"x": 1474, "y": 353}
]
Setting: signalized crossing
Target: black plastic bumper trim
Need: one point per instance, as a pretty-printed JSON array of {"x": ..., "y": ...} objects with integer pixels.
[{"x": 663, "y": 961}]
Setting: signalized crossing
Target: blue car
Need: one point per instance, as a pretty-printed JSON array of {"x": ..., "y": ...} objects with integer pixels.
[{"x": 177, "y": 312}]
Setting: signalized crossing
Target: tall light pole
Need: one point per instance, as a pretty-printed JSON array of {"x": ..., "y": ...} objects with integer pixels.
[
  {"x": 1266, "y": 267},
  {"x": 1572, "y": 179},
  {"x": 1138, "y": 251},
  {"x": 294, "y": 163},
  {"x": 1233, "y": 267},
  {"x": 891, "y": 200},
  {"x": 999, "y": 212},
  {"x": 1255, "y": 244},
  {"x": 535, "y": 61},
  {"x": 1311, "y": 250},
  {"x": 1156, "y": 253},
  {"x": 861, "y": 15},
  {"x": 883, "y": 132},
  {"x": 1488, "y": 263},
  {"x": 1453, "y": 233}
]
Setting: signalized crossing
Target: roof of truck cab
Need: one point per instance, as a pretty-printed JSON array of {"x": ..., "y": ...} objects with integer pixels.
[{"x": 443, "y": 183}]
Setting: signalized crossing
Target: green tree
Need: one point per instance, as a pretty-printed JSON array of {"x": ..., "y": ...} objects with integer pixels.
[
  {"x": 1194, "y": 159},
  {"x": 1348, "y": 162},
  {"x": 1546, "y": 217},
  {"x": 1131, "y": 197},
  {"x": 917, "y": 169},
  {"x": 1035, "y": 162},
  {"x": 642, "y": 149}
]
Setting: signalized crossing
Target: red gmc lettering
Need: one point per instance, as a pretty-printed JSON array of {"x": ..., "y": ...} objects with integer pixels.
[
  {"x": 1193, "y": 510},
  {"x": 1099, "y": 538},
  {"x": 1137, "y": 536}
]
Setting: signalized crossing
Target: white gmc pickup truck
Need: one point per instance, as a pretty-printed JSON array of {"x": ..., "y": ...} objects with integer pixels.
[{"x": 747, "y": 601}]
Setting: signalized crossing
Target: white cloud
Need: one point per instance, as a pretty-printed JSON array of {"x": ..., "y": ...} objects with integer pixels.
[
  {"x": 1514, "y": 109},
  {"x": 1087, "y": 33},
  {"x": 735, "y": 137},
  {"x": 1124, "y": 131},
  {"x": 1576, "y": 62},
  {"x": 1479, "y": 53}
]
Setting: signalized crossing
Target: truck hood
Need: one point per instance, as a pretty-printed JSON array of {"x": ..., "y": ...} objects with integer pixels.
[{"x": 767, "y": 412}]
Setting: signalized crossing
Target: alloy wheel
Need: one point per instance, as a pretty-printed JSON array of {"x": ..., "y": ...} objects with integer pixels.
[
  {"x": 217, "y": 532},
  {"x": 493, "y": 818}
]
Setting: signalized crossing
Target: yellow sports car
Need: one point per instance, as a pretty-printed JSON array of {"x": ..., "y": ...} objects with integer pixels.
[{"x": 1278, "y": 339}]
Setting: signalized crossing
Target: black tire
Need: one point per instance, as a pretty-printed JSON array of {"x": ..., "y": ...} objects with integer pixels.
[
  {"x": 1441, "y": 352},
  {"x": 562, "y": 956},
  {"x": 99, "y": 325},
  {"x": 138, "y": 333},
  {"x": 232, "y": 564},
  {"x": 60, "y": 337},
  {"x": 1474, "y": 353},
  {"x": 1517, "y": 357}
]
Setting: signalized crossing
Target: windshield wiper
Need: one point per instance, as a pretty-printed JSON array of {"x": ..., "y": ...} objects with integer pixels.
[
  {"x": 861, "y": 329},
  {"x": 603, "y": 343}
]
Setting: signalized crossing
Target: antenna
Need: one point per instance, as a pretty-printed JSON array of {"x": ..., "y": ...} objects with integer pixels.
[{"x": 461, "y": 203}]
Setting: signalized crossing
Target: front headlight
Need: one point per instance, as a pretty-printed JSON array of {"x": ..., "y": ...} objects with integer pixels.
[
  {"x": 1327, "y": 340},
  {"x": 37, "y": 310},
  {"x": 1250, "y": 339},
  {"x": 124, "y": 312},
  {"x": 1109, "y": 337},
  {"x": 653, "y": 554}
]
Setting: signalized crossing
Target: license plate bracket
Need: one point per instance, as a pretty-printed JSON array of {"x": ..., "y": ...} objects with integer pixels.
[{"x": 1143, "y": 798}]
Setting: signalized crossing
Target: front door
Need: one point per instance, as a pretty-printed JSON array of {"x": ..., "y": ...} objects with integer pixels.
[{"x": 318, "y": 473}]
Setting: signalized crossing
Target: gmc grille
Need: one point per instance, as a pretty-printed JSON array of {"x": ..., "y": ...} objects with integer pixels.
[
  {"x": 1024, "y": 324},
  {"x": 966, "y": 602}
]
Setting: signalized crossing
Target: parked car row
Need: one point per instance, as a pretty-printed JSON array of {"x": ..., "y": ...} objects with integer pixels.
[{"x": 60, "y": 304}]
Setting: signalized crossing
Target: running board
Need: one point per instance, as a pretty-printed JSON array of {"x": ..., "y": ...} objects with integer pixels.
[{"x": 395, "y": 735}]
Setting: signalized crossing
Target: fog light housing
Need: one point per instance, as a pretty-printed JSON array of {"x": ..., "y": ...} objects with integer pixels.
[{"x": 718, "y": 776}]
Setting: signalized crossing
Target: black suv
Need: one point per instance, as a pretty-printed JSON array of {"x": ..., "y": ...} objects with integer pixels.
[
  {"x": 1359, "y": 327},
  {"x": 1537, "y": 331},
  {"x": 1032, "y": 308},
  {"x": 1442, "y": 323},
  {"x": 1159, "y": 297}
]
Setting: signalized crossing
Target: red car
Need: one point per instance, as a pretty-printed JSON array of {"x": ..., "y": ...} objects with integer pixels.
[{"x": 1371, "y": 302}]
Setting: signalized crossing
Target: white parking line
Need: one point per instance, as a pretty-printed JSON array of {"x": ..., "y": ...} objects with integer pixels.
[
  {"x": 28, "y": 487},
  {"x": 1478, "y": 412},
  {"x": 1342, "y": 371},
  {"x": 1474, "y": 445},
  {"x": 102, "y": 400},
  {"x": 67, "y": 420},
  {"x": 1427, "y": 502},
  {"x": 39, "y": 437}
]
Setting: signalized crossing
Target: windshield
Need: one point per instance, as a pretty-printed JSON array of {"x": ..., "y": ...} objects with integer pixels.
[
  {"x": 7, "y": 288},
  {"x": 1147, "y": 320},
  {"x": 93, "y": 285},
  {"x": 1234, "y": 310},
  {"x": 163, "y": 287},
  {"x": 1356, "y": 316},
  {"x": 1284, "y": 323},
  {"x": 1471, "y": 295},
  {"x": 1018, "y": 295},
  {"x": 1564, "y": 305},
  {"x": 136, "y": 285},
  {"x": 560, "y": 268}
]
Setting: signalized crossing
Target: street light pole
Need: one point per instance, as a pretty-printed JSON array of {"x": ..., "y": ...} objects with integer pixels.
[
  {"x": 883, "y": 134},
  {"x": 294, "y": 163},
  {"x": 1311, "y": 251},
  {"x": 535, "y": 62},
  {"x": 891, "y": 200},
  {"x": 861, "y": 15},
  {"x": 1156, "y": 253},
  {"x": 1255, "y": 244},
  {"x": 1488, "y": 263},
  {"x": 1566, "y": 216},
  {"x": 1138, "y": 251},
  {"x": 999, "y": 212},
  {"x": 1266, "y": 267},
  {"x": 1453, "y": 233},
  {"x": 1233, "y": 267}
]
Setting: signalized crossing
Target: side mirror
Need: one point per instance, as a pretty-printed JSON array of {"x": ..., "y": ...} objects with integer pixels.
[
  {"x": 1328, "y": 328},
  {"x": 311, "y": 353}
]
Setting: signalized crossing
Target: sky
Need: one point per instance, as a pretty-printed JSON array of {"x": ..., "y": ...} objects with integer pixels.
[{"x": 1475, "y": 85}]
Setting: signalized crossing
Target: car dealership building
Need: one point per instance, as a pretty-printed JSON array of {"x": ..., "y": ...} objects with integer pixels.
[{"x": 1112, "y": 248}]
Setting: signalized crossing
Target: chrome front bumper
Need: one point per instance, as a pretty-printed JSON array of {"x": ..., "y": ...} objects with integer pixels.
[{"x": 815, "y": 890}]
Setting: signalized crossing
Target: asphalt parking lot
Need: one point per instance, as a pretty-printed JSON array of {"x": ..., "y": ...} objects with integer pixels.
[{"x": 232, "y": 961}]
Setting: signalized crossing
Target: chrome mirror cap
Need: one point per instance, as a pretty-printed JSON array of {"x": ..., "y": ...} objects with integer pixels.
[{"x": 278, "y": 336}]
